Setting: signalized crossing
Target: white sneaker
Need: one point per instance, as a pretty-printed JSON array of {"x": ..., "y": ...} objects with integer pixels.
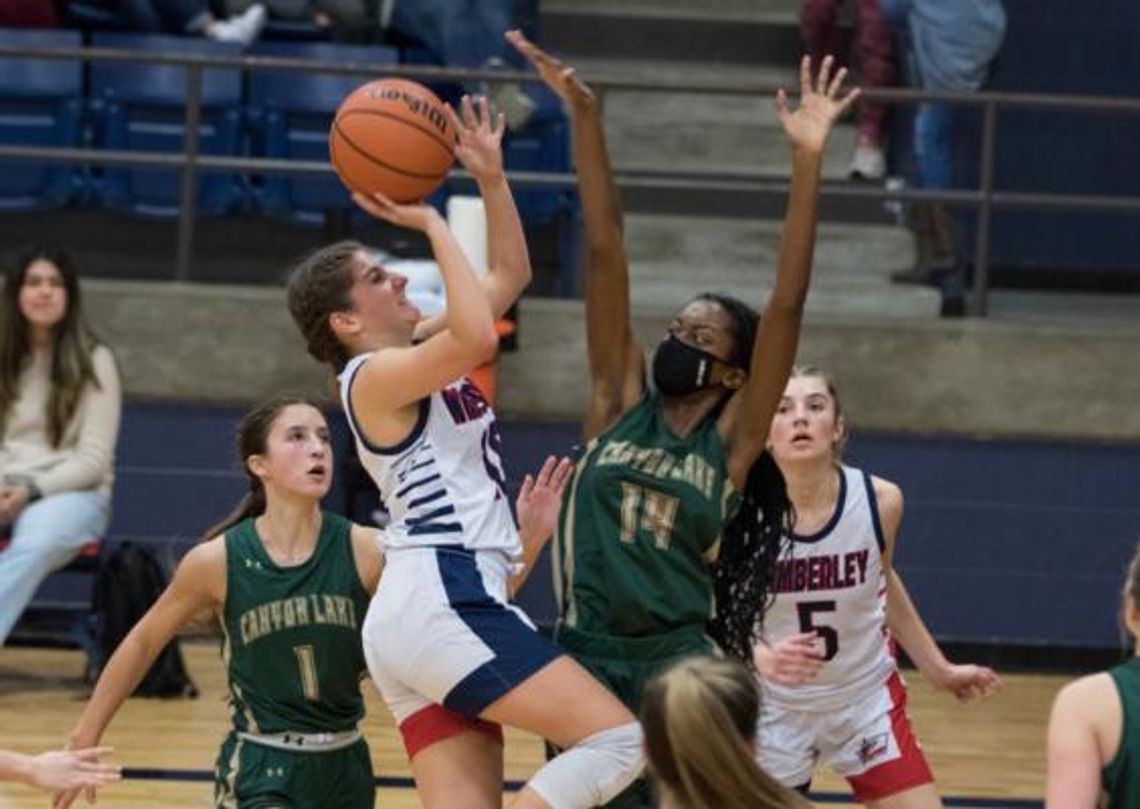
[
  {"x": 868, "y": 163},
  {"x": 242, "y": 29}
]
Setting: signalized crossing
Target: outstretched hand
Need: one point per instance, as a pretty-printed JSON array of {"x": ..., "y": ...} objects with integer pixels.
[
  {"x": 480, "y": 135},
  {"x": 67, "y": 772},
  {"x": 821, "y": 103},
  {"x": 414, "y": 215},
  {"x": 793, "y": 661},
  {"x": 559, "y": 77},
  {"x": 968, "y": 682},
  {"x": 540, "y": 500}
]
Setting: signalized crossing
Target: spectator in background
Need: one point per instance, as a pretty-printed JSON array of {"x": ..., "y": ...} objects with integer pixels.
[
  {"x": 818, "y": 21},
  {"x": 1094, "y": 730},
  {"x": 60, "y": 404},
  {"x": 460, "y": 33},
  {"x": 192, "y": 17},
  {"x": 947, "y": 46},
  {"x": 700, "y": 720}
]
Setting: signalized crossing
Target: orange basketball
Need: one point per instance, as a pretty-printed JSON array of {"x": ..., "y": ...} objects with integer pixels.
[{"x": 392, "y": 136}]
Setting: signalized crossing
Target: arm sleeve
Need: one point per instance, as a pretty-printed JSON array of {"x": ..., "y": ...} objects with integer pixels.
[{"x": 94, "y": 453}]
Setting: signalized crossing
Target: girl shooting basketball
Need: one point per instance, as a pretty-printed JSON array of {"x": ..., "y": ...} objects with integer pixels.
[
  {"x": 290, "y": 585},
  {"x": 832, "y": 689},
  {"x": 439, "y": 630},
  {"x": 638, "y": 552}
]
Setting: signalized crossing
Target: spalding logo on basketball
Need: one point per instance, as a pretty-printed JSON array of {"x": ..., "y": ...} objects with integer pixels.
[{"x": 392, "y": 136}]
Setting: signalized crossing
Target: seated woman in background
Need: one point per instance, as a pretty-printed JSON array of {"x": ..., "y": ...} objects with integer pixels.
[
  {"x": 60, "y": 403},
  {"x": 1094, "y": 731},
  {"x": 699, "y": 719}
]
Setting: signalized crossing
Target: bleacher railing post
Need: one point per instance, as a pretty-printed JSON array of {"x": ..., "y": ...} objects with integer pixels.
[
  {"x": 979, "y": 300},
  {"x": 186, "y": 210}
]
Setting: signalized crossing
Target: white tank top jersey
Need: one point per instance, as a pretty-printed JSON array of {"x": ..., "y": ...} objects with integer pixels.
[
  {"x": 833, "y": 582},
  {"x": 444, "y": 483}
]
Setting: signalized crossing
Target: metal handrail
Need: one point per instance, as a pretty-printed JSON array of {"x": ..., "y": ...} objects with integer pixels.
[{"x": 986, "y": 198}]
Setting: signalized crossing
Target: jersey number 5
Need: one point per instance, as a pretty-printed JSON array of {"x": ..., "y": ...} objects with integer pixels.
[
  {"x": 647, "y": 509},
  {"x": 807, "y": 611}
]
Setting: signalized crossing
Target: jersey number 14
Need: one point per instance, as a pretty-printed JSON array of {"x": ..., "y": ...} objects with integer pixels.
[{"x": 649, "y": 510}]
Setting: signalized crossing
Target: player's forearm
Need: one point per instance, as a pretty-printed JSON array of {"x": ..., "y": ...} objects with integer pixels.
[
  {"x": 122, "y": 674},
  {"x": 601, "y": 211},
  {"x": 15, "y": 767},
  {"x": 507, "y": 254},
  {"x": 532, "y": 549},
  {"x": 797, "y": 240},
  {"x": 908, "y": 629},
  {"x": 468, "y": 310}
]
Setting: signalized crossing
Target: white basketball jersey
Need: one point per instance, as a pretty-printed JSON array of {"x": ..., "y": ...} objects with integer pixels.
[
  {"x": 444, "y": 483},
  {"x": 833, "y": 583}
]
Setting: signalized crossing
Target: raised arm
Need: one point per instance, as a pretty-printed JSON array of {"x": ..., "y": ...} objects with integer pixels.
[
  {"x": 394, "y": 379},
  {"x": 745, "y": 422},
  {"x": 198, "y": 584},
  {"x": 963, "y": 681},
  {"x": 479, "y": 149},
  {"x": 616, "y": 360}
]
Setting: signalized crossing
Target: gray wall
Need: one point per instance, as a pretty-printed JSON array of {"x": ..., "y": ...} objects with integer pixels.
[{"x": 235, "y": 344}]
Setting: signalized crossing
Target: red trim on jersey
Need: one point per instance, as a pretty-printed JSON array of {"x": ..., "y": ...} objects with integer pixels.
[
  {"x": 907, "y": 771},
  {"x": 435, "y": 723}
]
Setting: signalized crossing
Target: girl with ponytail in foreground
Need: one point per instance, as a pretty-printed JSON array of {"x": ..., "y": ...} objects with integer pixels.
[
  {"x": 700, "y": 720},
  {"x": 289, "y": 585}
]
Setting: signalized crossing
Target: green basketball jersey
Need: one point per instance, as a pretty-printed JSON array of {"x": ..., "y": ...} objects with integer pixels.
[
  {"x": 292, "y": 634},
  {"x": 641, "y": 520},
  {"x": 1121, "y": 777}
]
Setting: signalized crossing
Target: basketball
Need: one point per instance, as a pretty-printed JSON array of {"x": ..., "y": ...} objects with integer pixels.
[{"x": 393, "y": 136}]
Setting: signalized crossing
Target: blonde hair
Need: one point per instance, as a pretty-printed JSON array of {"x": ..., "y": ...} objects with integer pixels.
[
  {"x": 700, "y": 720},
  {"x": 812, "y": 371},
  {"x": 1131, "y": 595}
]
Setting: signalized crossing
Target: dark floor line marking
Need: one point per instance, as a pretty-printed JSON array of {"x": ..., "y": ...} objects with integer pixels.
[{"x": 393, "y": 782}]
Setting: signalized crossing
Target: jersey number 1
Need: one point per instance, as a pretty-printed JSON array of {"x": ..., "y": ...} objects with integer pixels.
[
  {"x": 307, "y": 661},
  {"x": 807, "y": 611},
  {"x": 648, "y": 509}
]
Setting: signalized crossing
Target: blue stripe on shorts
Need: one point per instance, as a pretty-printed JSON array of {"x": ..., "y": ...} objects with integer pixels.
[{"x": 519, "y": 650}]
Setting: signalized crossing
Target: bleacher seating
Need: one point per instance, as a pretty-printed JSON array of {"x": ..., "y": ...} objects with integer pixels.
[
  {"x": 141, "y": 106},
  {"x": 40, "y": 105},
  {"x": 289, "y": 113}
]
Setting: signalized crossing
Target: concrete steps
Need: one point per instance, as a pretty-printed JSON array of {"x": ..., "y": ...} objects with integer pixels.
[
  {"x": 704, "y": 132},
  {"x": 673, "y": 258}
]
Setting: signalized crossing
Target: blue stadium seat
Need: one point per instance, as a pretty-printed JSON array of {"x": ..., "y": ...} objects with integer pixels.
[
  {"x": 290, "y": 113},
  {"x": 140, "y": 106},
  {"x": 40, "y": 103}
]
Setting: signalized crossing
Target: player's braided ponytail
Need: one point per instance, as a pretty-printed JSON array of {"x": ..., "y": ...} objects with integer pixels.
[{"x": 745, "y": 568}]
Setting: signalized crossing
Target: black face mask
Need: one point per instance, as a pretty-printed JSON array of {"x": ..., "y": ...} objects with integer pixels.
[{"x": 679, "y": 368}]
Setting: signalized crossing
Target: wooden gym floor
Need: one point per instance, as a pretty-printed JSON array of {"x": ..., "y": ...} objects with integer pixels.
[{"x": 987, "y": 755}]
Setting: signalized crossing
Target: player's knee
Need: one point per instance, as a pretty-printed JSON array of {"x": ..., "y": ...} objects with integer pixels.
[{"x": 593, "y": 771}]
